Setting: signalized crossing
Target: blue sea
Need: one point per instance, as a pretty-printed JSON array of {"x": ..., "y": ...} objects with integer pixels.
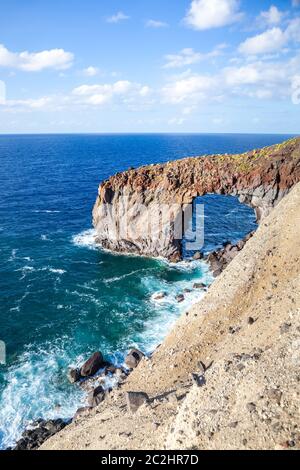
[{"x": 62, "y": 297}]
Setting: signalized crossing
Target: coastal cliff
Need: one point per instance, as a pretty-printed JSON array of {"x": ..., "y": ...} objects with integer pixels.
[
  {"x": 227, "y": 375},
  {"x": 260, "y": 178}
]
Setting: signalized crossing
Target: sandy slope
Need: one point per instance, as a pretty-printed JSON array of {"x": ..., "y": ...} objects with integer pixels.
[{"x": 251, "y": 395}]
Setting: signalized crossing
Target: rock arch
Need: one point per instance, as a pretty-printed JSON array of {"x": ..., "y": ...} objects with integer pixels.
[{"x": 259, "y": 178}]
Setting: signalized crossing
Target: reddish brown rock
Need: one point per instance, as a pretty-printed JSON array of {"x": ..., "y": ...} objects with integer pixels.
[
  {"x": 260, "y": 178},
  {"x": 92, "y": 365}
]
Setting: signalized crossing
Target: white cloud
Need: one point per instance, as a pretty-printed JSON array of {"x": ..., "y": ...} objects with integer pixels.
[
  {"x": 195, "y": 87},
  {"x": 272, "y": 16},
  {"x": 258, "y": 80},
  {"x": 188, "y": 56},
  {"x": 156, "y": 24},
  {"x": 206, "y": 14},
  {"x": 90, "y": 71},
  {"x": 104, "y": 93},
  {"x": 293, "y": 30},
  {"x": 2, "y": 92},
  {"x": 38, "y": 103},
  {"x": 117, "y": 18},
  {"x": 177, "y": 121},
  {"x": 57, "y": 59},
  {"x": 272, "y": 40},
  {"x": 145, "y": 91},
  {"x": 268, "y": 41},
  {"x": 255, "y": 73}
]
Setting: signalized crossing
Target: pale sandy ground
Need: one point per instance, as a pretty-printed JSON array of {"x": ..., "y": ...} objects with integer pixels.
[{"x": 251, "y": 396}]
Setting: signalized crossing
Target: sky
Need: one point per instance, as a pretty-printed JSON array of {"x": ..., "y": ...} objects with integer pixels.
[{"x": 104, "y": 66}]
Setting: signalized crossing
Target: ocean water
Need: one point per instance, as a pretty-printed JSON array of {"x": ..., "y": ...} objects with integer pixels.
[{"x": 61, "y": 297}]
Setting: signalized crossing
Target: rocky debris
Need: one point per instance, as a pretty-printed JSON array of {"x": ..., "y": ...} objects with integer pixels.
[
  {"x": 74, "y": 375},
  {"x": 251, "y": 321},
  {"x": 198, "y": 256},
  {"x": 110, "y": 369},
  {"x": 251, "y": 407},
  {"x": 274, "y": 394},
  {"x": 285, "y": 327},
  {"x": 198, "y": 380},
  {"x": 135, "y": 400},
  {"x": 41, "y": 431},
  {"x": 199, "y": 285},
  {"x": 96, "y": 396},
  {"x": 159, "y": 296},
  {"x": 220, "y": 259},
  {"x": 179, "y": 298},
  {"x": 83, "y": 411},
  {"x": 133, "y": 358},
  {"x": 92, "y": 365}
]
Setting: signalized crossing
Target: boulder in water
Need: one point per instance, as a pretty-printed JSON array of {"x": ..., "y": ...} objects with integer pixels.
[
  {"x": 159, "y": 295},
  {"x": 197, "y": 256},
  {"x": 73, "y": 375},
  {"x": 92, "y": 365},
  {"x": 199, "y": 285}
]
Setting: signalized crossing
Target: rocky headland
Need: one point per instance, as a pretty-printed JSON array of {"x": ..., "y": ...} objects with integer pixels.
[
  {"x": 260, "y": 178},
  {"x": 227, "y": 375}
]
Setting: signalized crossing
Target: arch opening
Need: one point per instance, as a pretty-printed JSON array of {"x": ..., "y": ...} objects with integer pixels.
[{"x": 216, "y": 220}]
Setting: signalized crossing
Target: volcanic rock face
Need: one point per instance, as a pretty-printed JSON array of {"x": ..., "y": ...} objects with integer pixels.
[{"x": 138, "y": 211}]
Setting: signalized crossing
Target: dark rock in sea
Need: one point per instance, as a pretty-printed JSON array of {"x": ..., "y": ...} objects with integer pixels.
[
  {"x": 92, "y": 365},
  {"x": 96, "y": 397},
  {"x": 135, "y": 400},
  {"x": 111, "y": 369},
  {"x": 73, "y": 375},
  {"x": 159, "y": 295},
  {"x": 220, "y": 259},
  {"x": 179, "y": 298},
  {"x": 133, "y": 358},
  {"x": 187, "y": 291},
  {"x": 33, "y": 438},
  {"x": 199, "y": 285}
]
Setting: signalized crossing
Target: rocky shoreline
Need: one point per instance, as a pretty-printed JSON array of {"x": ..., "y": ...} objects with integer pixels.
[
  {"x": 259, "y": 178},
  {"x": 227, "y": 375},
  {"x": 93, "y": 375}
]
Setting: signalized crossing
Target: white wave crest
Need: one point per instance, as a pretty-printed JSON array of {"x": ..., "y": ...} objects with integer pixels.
[{"x": 85, "y": 239}]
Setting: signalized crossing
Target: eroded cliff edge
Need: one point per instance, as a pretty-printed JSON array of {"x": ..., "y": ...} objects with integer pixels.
[
  {"x": 260, "y": 178},
  {"x": 249, "y": 397}
]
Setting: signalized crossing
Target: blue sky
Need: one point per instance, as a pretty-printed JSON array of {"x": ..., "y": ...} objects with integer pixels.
[{"x": 150, "y": 66}]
